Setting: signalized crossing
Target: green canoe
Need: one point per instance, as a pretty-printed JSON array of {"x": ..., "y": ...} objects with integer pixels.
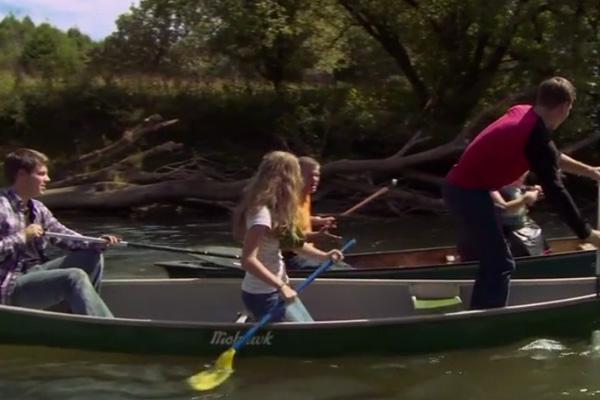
[
  {"x": 569, "y": 258},
  {"x": 197, "y": 317}
]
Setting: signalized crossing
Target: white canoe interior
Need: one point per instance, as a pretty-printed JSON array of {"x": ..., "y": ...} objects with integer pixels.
[{"x": 219, "y": 300}]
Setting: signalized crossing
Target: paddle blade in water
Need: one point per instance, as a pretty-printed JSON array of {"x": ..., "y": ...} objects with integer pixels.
[{"x": 214, "y": 376}]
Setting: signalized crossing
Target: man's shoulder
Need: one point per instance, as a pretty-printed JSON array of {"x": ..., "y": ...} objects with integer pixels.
[
  {"x": 520, "y": 114},
  {"x": 540, "y": 131},
  {"x": 41, "y": 210},
  {"x": 39, "y": 206},
  {"x": 520, "y": 108},
  {"x": 4, "y": 198}
]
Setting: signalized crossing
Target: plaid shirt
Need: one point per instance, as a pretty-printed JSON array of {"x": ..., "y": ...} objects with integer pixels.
[{"x": 16, "y": 254}]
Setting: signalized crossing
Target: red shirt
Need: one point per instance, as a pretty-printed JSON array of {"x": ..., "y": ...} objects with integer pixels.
[{"x": 497, "y": 155}]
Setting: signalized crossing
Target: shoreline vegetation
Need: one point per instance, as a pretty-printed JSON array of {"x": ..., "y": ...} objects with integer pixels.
[{"x": 176, "y": 107}]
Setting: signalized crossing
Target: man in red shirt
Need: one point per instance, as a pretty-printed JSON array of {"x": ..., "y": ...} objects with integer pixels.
[{"x": 516, "y": 142}]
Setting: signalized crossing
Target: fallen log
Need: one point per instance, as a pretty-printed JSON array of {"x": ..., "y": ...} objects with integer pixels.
[
  {"x": 114, "y": 195},
  {"x": 116, "y": 149},
  {"x": 119, "y": 170}
]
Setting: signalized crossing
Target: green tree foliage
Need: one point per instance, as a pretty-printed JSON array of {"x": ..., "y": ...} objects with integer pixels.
[
  {"x": 359, "y": 75},
  {"x": 453, "y": 53},
  {"x": 275, "y": 40},
  {"x": 155, "y": 37},
  {"x": 52, "y": 54},
  {"x": 434, "y": 62},
  {"x": 13, "y": 34},
  {"x": 42, "y": 51},
  {"x": 279, "y": 39}
]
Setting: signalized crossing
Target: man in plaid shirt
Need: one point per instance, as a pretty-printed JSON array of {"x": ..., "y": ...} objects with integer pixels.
[{"x": 27, "y": 277}]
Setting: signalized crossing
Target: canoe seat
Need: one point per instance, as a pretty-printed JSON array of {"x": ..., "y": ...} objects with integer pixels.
[
  {"x": 435, "y": 297},
  {"x": 441, "y": 305}
]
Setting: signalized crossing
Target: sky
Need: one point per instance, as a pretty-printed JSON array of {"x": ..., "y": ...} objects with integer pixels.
[{"x": 95, "y": 18}]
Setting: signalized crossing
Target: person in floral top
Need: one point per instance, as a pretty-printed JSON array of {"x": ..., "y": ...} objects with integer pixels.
[{"x": 28, "y": 278}]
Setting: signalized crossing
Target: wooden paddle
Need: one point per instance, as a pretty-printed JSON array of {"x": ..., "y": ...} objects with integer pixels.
[
  {"x": 369, "y": 199},
  {"x": 223, "y": 367},
  {"x": 141, "y": 245}
]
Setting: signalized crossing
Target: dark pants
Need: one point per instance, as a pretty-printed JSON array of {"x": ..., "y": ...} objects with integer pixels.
[{"x": 481, "y": 233}]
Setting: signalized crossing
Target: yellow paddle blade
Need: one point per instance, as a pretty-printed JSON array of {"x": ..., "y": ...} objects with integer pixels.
[{"x": 217, "y": 374}]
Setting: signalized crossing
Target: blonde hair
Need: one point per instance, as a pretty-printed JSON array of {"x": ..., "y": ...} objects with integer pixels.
[{"x": 276, "y": 185}]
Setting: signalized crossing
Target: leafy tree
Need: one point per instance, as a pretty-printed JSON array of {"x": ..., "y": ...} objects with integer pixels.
[
  {"x": 51, "y": 54},
  {"x": 276, "y": 40},
  {"x": 13, "y": 34},
  {"x": 147, "y": 37},
  {"x": 279, "y": 39},
  {"x": 453, "y": 53}
]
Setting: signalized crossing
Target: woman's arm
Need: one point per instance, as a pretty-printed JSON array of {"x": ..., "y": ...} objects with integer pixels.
[
  {"x": 322, "y": 234},
  {"x": 310, "y": 251},
  {"x": 319, "y": 222}
]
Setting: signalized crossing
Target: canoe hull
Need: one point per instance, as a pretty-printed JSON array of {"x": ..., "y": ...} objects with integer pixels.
[
  {"x": 567, "y": 318},
  {"x": 576, "y": 321},
  {"x": 567, "y": 265}
]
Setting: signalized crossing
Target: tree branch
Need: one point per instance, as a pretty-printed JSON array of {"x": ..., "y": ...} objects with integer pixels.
[{"x": 391, "y": 43}]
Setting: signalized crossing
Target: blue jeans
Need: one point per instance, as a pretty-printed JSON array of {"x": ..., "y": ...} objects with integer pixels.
[
  {"x": 74, "y": 279},
  {"x": 480, "y": 227},
  {"x": 259, "y": 304}
]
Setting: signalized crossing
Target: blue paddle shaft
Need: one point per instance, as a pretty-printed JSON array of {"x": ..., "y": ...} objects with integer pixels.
[{"x": 268, "y": 316}]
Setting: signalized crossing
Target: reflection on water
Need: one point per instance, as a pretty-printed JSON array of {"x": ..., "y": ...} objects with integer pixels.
[{"x": 541, "y": 369}]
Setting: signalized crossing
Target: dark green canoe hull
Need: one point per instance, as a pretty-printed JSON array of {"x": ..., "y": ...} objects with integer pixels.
[
  {"x": 567, "y": 318},
  {"x": 567, "y": 265},
  {"x": 386, "y": 337}
]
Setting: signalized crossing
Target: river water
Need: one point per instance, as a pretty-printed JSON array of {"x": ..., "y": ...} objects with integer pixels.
[{"x": 539, "y": 368}]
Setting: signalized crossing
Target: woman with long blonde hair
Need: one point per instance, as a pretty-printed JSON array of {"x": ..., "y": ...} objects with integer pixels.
[{"x": 266, "y": 221}]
